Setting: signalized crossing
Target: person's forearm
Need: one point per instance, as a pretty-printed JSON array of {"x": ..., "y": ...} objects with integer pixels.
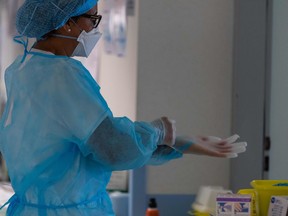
[
  {"x": 187, "y": 146},
  {"x": 184, "y": 145}
]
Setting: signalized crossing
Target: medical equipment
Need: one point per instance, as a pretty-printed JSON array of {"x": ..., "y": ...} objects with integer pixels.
[
  {"x": 206, "y": 198},
  {"x": 35, "y": 18},
  {"x": 227, "y": 146},
  {"x": 87, "y": 41}
]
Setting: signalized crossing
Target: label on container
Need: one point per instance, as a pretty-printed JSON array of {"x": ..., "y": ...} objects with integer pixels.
[
  {"x": 278, "y": 206},
  {"x": 233, "y": 205}
]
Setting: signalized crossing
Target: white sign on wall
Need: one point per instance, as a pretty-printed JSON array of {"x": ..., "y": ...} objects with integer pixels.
[{"x": 115, "y": 27}]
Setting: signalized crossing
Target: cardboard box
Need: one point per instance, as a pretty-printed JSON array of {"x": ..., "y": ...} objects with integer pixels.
[{"x": 233, "y": 205}]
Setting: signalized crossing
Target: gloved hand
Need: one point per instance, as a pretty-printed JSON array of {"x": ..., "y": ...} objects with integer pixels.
[
  {"x": 223, "y": 147},
  {"x": 168, "y": 130}
]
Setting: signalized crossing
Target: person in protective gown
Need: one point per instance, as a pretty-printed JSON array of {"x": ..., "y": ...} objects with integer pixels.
[{"x": 58, "y": 136}]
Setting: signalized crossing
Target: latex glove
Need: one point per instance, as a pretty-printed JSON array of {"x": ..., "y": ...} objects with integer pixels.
[
  {"x": 168, "y": 130},
  {"x": 229, "y": 147}
]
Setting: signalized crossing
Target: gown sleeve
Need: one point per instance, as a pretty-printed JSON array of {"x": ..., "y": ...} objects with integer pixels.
[{"x": 120, "y": 144}]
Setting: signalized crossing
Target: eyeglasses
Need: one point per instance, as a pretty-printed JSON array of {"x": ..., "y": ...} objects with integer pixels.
[{"x": 94, "y": 18}]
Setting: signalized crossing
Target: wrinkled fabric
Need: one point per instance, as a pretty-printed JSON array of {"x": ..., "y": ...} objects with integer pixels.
[
  {"x": 61, "y": 141},
  {"x": 138, "y": 141}
]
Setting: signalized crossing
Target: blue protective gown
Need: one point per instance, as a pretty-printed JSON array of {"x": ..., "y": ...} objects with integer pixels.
[{"x": 61, "y": 141}]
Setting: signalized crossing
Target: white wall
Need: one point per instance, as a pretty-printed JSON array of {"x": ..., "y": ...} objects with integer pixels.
[
  {"x": 117, "y": 76},
  {"x": 185, "y": 72},
  {"x": 9, "y": 50},
  {"x": 279, "y": 88}
]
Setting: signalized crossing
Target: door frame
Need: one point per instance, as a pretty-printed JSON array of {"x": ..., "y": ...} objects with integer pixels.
[{"x": 251, "y": 88}]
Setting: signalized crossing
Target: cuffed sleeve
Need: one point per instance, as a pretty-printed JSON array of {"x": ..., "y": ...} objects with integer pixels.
[
  {"x": 120, "y": 144},
  {"x": 164, "y": 154}
]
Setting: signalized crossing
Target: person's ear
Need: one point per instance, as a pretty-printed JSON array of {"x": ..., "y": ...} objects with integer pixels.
[{"x": 67, "y": 27}]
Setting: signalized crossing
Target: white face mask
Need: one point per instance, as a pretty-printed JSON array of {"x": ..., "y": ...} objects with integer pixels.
[{"x": 87, "y": 41}]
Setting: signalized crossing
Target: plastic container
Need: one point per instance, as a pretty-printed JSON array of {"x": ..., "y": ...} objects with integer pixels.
[
  {"x": 264, "y": 189},
  {"x": 251, "y": 192},
  {"x": 152, "y": 208},
  {"x": 206, "y": 199},
  {"x": 196, "y": 213}
]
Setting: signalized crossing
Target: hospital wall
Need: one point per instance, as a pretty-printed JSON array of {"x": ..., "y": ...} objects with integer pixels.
[
  {"x": 9, "y": 50},
  {"x": 185, "y": 72}
]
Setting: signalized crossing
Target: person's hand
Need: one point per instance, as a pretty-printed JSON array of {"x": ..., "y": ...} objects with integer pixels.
[
  {"x": 211, "y": 146},
  {"x": 221, "y": 147},
  {"x": 168, "y": 128}
]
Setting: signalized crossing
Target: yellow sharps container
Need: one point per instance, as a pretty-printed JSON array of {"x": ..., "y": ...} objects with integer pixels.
[{"x": 264, "y": 189}]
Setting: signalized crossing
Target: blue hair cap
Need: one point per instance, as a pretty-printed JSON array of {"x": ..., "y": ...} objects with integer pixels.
[{"x": 36, "y": 18}]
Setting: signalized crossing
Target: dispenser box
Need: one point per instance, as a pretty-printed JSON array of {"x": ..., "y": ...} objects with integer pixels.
[
  {"x": 233, "y": 205},
  {"x": 278, "y": 206}
]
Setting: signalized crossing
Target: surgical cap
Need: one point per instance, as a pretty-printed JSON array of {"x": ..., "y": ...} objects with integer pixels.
[{"x": 36, "y": 18}]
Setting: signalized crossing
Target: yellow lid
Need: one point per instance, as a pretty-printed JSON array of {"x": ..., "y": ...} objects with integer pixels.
[{"x": 270, "y": 184}]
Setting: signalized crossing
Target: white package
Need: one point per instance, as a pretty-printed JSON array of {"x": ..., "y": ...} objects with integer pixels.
[{"x": 233, "y": 205}]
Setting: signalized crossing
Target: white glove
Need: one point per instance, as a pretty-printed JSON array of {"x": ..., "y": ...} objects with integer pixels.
[
  {"x": 168, "y": 130},
  {"x": 227, "y": 147}
]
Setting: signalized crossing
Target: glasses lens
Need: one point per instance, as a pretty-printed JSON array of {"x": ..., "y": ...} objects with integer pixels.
[{"x": 97, "y": 21}]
